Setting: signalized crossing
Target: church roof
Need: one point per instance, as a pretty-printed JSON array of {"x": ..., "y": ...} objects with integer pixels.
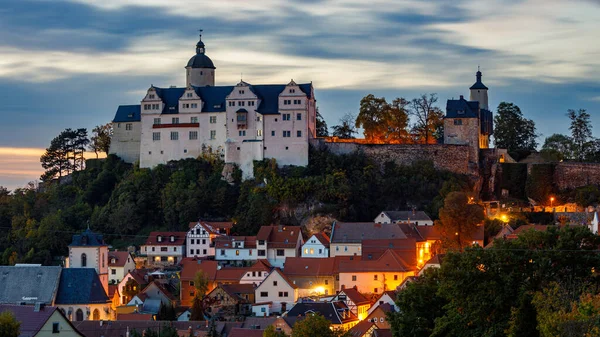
[
  {"x": 478, "y": 84},
  {"x": 30, "y": 284},
  {"x": 88, "y": 238},
  {"x": 461, "y": 108},
  {"x": 80, "y": 286},
  {"x": 127, "y": 113},
  {"x": 201, "y": 61}
]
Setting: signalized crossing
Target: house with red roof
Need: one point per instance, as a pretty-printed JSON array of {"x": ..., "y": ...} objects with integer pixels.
[
  {"x": 133, "y": 282},
  {"x": 236, "y": 249},
  {"x": 375, "y": 276},
  {"x": 256, "y": 273},
  {"x": 41, "y": 320},
  {"x": 313, "y": 277},
  {"x": 357, "y": 303},
  {"x": 363, "y": 329},
  {"x": 231, "y": 300},
  {"x": 200, "y": 238},
  {"x": 164, "y": 248},
  {"x": 387, "y": 297},
  {"x": 276, "y": 294},
  {"x": 316, "y": 246},
  {"x": 275, "y": 243},
  {"x": 119, "y": 264}
]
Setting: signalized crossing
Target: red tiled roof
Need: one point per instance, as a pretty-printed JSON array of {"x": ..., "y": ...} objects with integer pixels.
[
  {"x": 390, "y": 261},
  {"x": 228, "y": 241},
  {"x": 340, "y": 259},
  {"x": 260, "y": 265},
  {"x": 405, "y": 248},
  {"x": 285, "y": 278},
  {"x": 240, "y": 332},
  {"x": 537, "y": 228},
  {"x": 309, "y": 267},
  {"x": 382, "y": 333},
  {"x": 138, "y": 275},
  {"x": 134, "y": 317},
  {"x": 323, "y": 239},
  {"x": 162, "y": 288},
  {"x": 179, "y": 238},
  {"x": 361, "y": 328},
  {"x": 112, "y": 289},
  {"x": 279, "y": 236},
  {"x": 355, "y": 296},
  {"x": 119, "y": 256},
  {"x": 231, "y": 274},
  {"x": 191, "y": 266}
]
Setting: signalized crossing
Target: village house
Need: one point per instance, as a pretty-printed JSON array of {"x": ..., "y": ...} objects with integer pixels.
[
  {"x": 379, "y": 316},
  {"x": 133, "y": 282},
  {"x": 363, "y": 329},
  {"x": 316, "y": 246},
  {"x": 41, "y": 321},
  {"x": 313, "y": 277},
  {"x": 119, "y": 264},
  {"x": 231, "y": 300},
  {"x": 375, "y": 276},
  {"x": 347, "y": 237},
  {"x": 388, "y": 297},
  {"x": 354, "y": 300},
  {"x": 200, "y": 239},
  {"x": 338, "y": 314},
  {"x": 418, "y": 218},
  {"x": 157, "y": 290},
  {"x": 276, "y": 294},
  {"x": 275, "y": 243},
  {"x": 164, "y": 248},
  {"x": 80, "y": 295},
  {"x": 256, "y": 273},
  {"x": 236, "y": 249}
]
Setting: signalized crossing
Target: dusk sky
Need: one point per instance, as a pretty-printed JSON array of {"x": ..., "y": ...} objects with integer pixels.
[{"x": 71, "y": 63}]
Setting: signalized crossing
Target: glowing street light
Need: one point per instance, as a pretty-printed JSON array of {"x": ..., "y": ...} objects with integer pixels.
[
  {"x": 504, "y": 218},
  {"x": 551, "y": 201}
]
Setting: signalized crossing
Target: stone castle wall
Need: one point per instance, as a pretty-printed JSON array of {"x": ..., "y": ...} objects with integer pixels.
[
  {"x": 453, "y": 158},
  {"x": 573, "y": 175}
]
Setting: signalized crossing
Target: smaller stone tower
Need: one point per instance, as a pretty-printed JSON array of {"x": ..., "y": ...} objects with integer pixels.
[
  {"x": 479, "y": 92},
  {"x": 200, "y": 70},
  {"x": 88, "y": 250}
]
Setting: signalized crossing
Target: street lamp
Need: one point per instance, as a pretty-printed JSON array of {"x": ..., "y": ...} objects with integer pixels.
[
  {"x": 551, "y": 201},
  {"x": 504, "y": 218}
]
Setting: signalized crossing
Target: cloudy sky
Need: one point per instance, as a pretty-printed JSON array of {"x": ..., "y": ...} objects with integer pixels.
[{"x": 70, "y": 63}]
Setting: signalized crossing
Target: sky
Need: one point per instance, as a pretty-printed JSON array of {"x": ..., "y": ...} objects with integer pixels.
[{"x": 70, "y": 63}]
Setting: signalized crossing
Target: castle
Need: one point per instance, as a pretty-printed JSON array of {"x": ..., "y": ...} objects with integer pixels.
[
  {"x": 244, "y": 123},
  {"x": 239, "y": 124}
]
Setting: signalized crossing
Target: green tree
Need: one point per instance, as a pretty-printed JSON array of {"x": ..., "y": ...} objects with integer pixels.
[
  {"x": 512, "y": 131},
  {"x": 581, "y": 131},
  {"x": 271, "y": 332},
  {"x": 419, "y": 306},
  {"x": 346, "y": 129},
  {"x": 315, "y": 325},
  {"x": 200, "y": 302},
  {"x": 321, "y": 126},
  {"x": 429, "y": 118},
  {"x": 459, "y": 220},
  {"x": 100, "y": 140},
  {"x": 9, "y": 326},
  {"x": 558, "y": 147},
  {"x": 382, "y": 121}
]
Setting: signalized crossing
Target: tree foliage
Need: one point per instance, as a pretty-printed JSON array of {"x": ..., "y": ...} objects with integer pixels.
[
  {"x": 65, "y": 154},
  {"x": 315, "y": 325},
  {"x": 100, "y": 140},
  {"x": 581, "y": 131},
  {"x": 429, "y": 119},
  {"x": 346, "y": 128},
  {"x": 271, "y": 332},
  {"x": 381, "y": 121},
  {"x": 321, "y": 126},
  {"x": 558, "y": 147},
  {"x": 459, "y": 220},
  {"x": 512, "y": 131},
  {"x": 9, "y": 326}
]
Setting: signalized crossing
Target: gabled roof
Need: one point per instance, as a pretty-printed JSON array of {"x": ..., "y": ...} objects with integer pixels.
[
  {"x": 134, "y": 317},
  {"x": 80, "y": 286},
  {"x": 87, "y": 239},
  {"x": 191, "y": 266},
  {"x": 285, "y": 278},
  {"x": 260, "y": 265},
  {"x": 421, "y": 233},
  {"x": 356, "y": 232},
  {"x": 213, "y": 226},
  {"x": 128, "y": 113},
  {"x": 407, "y": 215},
  {"x": 322, "y": 238},
  {"x": 360, "y": 329},
  {"x": 309, "y": 267},
  {"x": 30, "y": 284},
  {"x": 230, "y": 274},
  {"x": 390, "y": 261},
  {"x": 236, "y": 290},
  {"x": 228, "y": 242},
  {"x": 279, "y": 236},
  {"x": 33, "y": 321},
  {"x": 120, "y": 258},
  {"x": 405, "y": 248},
  {"x": 112, "y": 289},
  {"x": 461, "y": 108},
  {"x": 139, "y": 276},
  {"x": 332, "y": 311},
  {"x": 166, "y": 238},
  {"x": 355, "y": 296},
  {"x": 161, "y": 287}
]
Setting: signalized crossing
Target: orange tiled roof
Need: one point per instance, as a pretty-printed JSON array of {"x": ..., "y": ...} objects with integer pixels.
[
  {"x": 166, "y": 238},
  {"x": 191, "y": 266},
  {"x": 279, "y": 236},
  {"x": 323, "y": 239},
  {"x": 390, "y": 261},
  {"x": 309, "y": 267},
  {"x": 119, "y": 256},
  {"x": 231, "y": 274},
  {"x": 260, "y": 265},
  {"x": 405, "y": 248},
  {"x": 355, "y": 296}
]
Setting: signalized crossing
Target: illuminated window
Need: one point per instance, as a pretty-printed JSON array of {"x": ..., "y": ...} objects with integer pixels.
[{"x": 312, "y": 251}]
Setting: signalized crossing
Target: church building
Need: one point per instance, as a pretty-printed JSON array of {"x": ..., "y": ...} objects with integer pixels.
[{"x": 239, "y": 123}]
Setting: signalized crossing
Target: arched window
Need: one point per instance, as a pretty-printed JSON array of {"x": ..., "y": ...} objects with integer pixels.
[
  {"x": 79, "y": 315},
  {"x": 96, "y": 315},
  {"x": 83, "y": 260}
]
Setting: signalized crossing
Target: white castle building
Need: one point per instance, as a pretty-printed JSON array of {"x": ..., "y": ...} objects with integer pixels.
[{"x": 240, "y": 123}]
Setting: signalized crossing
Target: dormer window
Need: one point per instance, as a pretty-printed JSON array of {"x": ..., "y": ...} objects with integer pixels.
[
  {"x": 113, "y": 260},
  {"x": 159, "y": 238},
  {"x": 241, "y": 92},
  {"x": 188, "y": 95},
  {"x": 151, "y": 96},
  {"x": 172, "y": 238}
]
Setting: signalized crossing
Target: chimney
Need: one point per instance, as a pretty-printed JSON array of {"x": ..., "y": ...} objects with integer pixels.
[{"x": 462, "y": 97}]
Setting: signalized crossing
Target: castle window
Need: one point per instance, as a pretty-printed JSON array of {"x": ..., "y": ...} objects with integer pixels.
[
  {"x": 241, "y": 92},
  {"x": 298, "y": 133},
  {"x": 292, "y": 91},
  {"x": 259, "y": 133},
  {"x": 189, "y": 94},
  {"x": 298, "y": 116},
  {"x": 194, "y": 105},
  {"x": 458, "y": 122},
  {"x": 175, "y": 120},
  {"x": 155, "y": 136},
  {"x": 156, "y": 121},
  {"x": 287, "y": 134},
  {"x": 250, "y": 103},
  {"x": 151, "y": 96},
  {"x": 241, "y": 103},
  {"x": 231, "y": 103},
  {"x": 128, "y": 126},
  {"x": 272, "y": 133},
  {"x": 83, "y": 260},
  {"x": 193, "y": 135},
  {"x": 286, "y": 117},
  {"x": 242, "y": 133},
  {"x": 193, "y": 119},
  {"x": 213, "y": 134},
  {"x": 174, "y": 135},
  {"x": 213, "y": 119}
]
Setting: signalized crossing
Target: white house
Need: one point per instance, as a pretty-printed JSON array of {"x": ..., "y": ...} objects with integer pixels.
[
  {"x": 164, "y": 248},
  {"x": 239, "y": 124},
  {"x": 276, "y": 292},
  {"x": 278, "y": 242},
  {"x": 316, "y": 246},
  {"x": 418, "y": 218},
  {"x": 200, "y": 239},
  {"x": 235, "y": 249},
  {"x": 119, "y": 264},
  {"x": 257, "y": 273}
]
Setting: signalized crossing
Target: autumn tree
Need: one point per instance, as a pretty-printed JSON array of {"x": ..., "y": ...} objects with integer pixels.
[
  {"x": 9, "y": 326},
  {"x": 382, "y": 121},
  {"x": 200, "y": 302},
  {"x": 101, "y": 137},
  {"x": 429, "y": 118},
  {"x": 459, "y": 220},
  {"x": 581, "y": 131},
  {"x": 512, "y": 131},
  {"x": 346, "y": 128}
]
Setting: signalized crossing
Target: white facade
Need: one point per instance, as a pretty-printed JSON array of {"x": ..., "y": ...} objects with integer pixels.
[
  {"x": 384, "y": 298},
  {"x": 118, "y": 270},
  {"x": 314, "y": 248},
  {"x": 125, "y": 141},
  {"x": 236, "y": 249},
  {"x": 277, "y": 290},
  {"x": 200, "y": 241},
  {"x": 255, "y": 277},
  {"x": 91, "y": 257},
  {"x": 163, "y": 253}
]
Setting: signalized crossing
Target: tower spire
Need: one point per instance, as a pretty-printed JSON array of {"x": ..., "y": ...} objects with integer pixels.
[{"x": 200, "y": 45}]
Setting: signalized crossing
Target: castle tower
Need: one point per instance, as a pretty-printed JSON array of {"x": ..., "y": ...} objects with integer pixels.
[
  {"x": 88, "y": 250},
  {"x": 479, "y": 92},
  {"x": 200, "y": 70}
]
